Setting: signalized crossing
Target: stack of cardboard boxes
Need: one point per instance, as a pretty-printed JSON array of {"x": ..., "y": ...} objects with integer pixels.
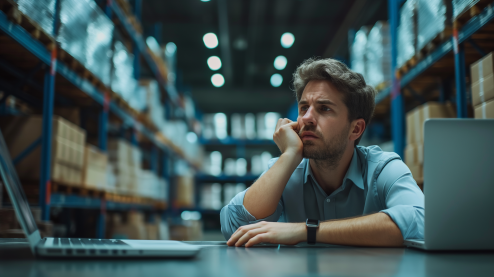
[
  {"x": 414, "y": 151},
  {"x": 126, "y": 162},
  {"x": 94, "y": 170},
  {"x": 67, "y": 153},
  {"x": 483, "y": 87}
]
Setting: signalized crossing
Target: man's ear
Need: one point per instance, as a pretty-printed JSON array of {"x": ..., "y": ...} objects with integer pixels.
[{"x": 357, "y": 128}]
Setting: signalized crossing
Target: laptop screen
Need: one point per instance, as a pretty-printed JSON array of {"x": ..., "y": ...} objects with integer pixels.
[{"x": 11, "y": 181}]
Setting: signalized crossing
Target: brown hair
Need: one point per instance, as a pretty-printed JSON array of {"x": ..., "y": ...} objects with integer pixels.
[{"x": 358, "y": 96}]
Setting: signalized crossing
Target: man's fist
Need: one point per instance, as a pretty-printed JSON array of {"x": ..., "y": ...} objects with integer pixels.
[{"x": 286, "y": 137}]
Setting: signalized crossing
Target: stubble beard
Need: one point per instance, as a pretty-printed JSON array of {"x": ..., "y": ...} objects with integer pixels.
[{"x": 328, "y": 155}]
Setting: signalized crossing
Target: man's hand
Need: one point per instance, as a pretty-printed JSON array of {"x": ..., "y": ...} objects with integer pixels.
[
  {"x": 286, "y": 137},
  {"x": 269, "y": 232}
]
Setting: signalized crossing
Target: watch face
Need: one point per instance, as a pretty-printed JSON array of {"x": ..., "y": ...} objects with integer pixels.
[{"x": 312, "y": 223}]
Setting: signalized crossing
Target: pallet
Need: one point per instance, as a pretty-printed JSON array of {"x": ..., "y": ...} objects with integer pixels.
[
  {"x": 425, "y": 51},
  {"x": 470, "y": 13},
  {"x": 10, "y": 8},
  {"x": 77, "y": 190}
]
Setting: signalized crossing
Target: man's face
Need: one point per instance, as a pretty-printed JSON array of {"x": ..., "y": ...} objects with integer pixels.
[{"x": 323, "y": 122}]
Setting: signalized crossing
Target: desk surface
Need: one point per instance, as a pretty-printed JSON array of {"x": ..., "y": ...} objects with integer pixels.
[{"x": 219, "y": 260}]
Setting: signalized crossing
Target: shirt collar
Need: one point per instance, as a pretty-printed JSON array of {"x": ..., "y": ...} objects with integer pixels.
[{"x": 353, "y": 173}]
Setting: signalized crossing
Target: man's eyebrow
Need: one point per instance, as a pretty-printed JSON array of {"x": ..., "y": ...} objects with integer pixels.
[{"x": 322, "y": 101}]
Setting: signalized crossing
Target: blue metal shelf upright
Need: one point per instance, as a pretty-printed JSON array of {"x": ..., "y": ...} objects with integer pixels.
[{"x": 458, "y": 66}]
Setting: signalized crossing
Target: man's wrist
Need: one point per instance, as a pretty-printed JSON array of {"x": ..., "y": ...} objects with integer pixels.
[{"x": 293, "y": 155}]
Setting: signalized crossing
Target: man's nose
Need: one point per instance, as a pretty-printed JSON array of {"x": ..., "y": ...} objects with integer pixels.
[{"x": 308, "y": 118}]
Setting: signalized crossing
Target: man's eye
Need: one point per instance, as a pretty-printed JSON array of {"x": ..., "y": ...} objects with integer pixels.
[
  {"x": 326, "y": 109},
  {"x": 303, "y": 108}
]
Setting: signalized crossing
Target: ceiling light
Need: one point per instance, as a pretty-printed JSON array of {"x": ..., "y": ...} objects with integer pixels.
[
  {"x": 153, "y": 45},
  {"x": 191, "y": 137},
  {"x": 276, "y": 80},
  {"x": 218, "y": 80},
  {"x": 210, "y": 40},
  {"x": 280, "y": 62},
  {"x": 171, "y": 47},
  {"x": 287, "y": 40},
  {"x": 204, "y": 0},
  {"x": 214, "y": 63}
]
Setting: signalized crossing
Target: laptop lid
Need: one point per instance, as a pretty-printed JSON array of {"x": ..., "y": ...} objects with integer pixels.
[
  {"x": 19, "y": 201},
  {"x": 459, "y": 183}
]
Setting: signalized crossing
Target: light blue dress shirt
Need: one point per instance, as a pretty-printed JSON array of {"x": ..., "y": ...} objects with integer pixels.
[{"x": 376, "y": 181}]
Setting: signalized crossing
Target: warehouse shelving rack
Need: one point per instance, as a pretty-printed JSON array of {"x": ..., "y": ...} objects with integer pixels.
[
  {"x": 449, "y": 59},
  {"x": 240, "y": 149},
  {"x": 58, "y": 73}
]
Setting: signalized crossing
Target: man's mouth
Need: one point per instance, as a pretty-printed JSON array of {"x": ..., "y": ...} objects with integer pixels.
[{"x": 308, "y": 136}]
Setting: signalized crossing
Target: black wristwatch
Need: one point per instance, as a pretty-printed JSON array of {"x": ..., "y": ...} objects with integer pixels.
[{"x": 312, "y": 225}]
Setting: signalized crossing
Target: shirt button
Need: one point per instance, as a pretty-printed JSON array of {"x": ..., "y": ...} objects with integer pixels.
[{"x": 328, "y": 200}]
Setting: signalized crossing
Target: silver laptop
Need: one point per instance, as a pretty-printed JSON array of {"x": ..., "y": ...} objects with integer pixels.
[
  {"x": 75, "y": 247},
  {"x": 458, "y": 185}
]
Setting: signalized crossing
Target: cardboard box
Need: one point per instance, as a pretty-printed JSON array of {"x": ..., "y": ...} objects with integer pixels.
[
  {"x": 185, "y": 191},
  {"x": 417, "y": 171},
  {"x": 414, "y": 153},
  {"x": 67, "y": 155},
  {"x": 485, "y": 110},
  {"x": 410, "y": 127},
  {"x": 417, "y": 117},
  {"x": 482, "y": 68},
  {"x": 94, "y": 169},
  {"x": 483, "y": 90}
]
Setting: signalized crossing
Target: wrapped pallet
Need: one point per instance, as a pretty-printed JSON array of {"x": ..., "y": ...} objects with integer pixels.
[
  {"x": 67, "y": 155},
  {"x": 74, "y": 20},
  {"x": 358, "y": 60},
  {"x": 433, "y": 17},
  {"x": 123, "y": 81},
  {"x": 99, "y": 43},
  {"x": 461, "y": 6},
  {"x": 41, "y": 11},
  {"x": 378, "y": 55},
  {"x": 407, "y": 39},
  {"x": 154, "y": 107}
]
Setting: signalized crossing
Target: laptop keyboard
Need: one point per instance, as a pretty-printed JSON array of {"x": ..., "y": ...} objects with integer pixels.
[{"x": 86, "y": 242}]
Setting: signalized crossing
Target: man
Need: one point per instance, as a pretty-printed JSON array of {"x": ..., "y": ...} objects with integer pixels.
[{"x": 362, "y": 195}]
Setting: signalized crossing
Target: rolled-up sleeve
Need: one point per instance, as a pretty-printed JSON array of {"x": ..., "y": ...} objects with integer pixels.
[
  {"x": 234, "y": 215},
  {"x": 404, "y": 202}
]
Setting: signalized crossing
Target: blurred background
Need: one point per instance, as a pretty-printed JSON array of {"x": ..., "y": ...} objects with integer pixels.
[{"x": 141, "y": 119}]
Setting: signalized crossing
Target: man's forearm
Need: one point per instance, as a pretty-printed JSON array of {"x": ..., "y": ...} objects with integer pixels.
[
  {"x": 263, "y": 196},
  {"x": 371, "y": 230}
]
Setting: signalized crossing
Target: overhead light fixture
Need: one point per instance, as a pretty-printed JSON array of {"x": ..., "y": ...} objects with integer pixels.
[
  {"x": 171, "y": 47},
  {"x": 210, "y": 40},
  {"x": 153, "y": 44},
  {"x": 204, "y": 0},
  {"x": 276, "y": 80},
  {"x": 218, "y": 80},
  {"x": 214, "y": 63},
  {"x": 280, "y": 62},
  {"x": 191, "y": 137},
  {"x": 287, "y": 40}
]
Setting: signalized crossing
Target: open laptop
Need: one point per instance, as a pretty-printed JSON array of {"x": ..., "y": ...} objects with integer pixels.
[
  {"x": 75, "y": 247},
  {"x": 458, "y": 185}
]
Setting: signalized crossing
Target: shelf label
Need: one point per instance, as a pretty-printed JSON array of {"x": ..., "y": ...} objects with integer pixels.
[
  {"x": 106, "y": 102},
  {"x": 48, "y": 192},
  {"x": 455, "y": 41},
  {"x": 53, "y": 61}
]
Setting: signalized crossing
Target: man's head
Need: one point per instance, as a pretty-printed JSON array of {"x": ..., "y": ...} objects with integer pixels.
[{"x": 335, "y": 105}]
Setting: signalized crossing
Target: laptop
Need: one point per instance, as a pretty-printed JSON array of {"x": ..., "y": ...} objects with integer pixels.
[
  {"x": 79, "y": 247},
  {"x": 458, "y": 185}
]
